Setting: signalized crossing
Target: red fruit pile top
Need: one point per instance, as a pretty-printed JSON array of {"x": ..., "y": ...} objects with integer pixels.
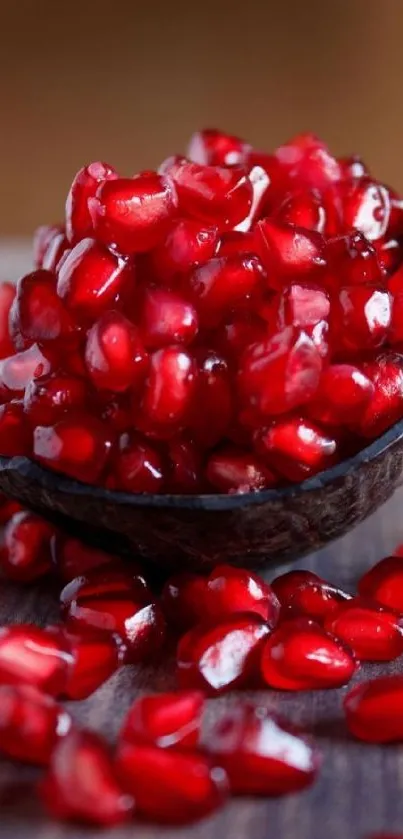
[{"x": 231, "y": 322}]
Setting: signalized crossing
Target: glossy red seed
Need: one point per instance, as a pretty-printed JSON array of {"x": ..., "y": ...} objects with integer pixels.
[
  {"x": 91, "y": 278},
  {"x": 7, "y": 295},
  {"x": 223, "y": 657},
  {"x": 353, "y": 260},
  {"x": 230, "y": 590},
  {"x": 31, "y": 724},
  {"x": 114, "y": 354},
  {"x": 383, "y": 583},
  {"x": 287, "y": 584},
  {"x": 234, "y": 470},
  {"x": 133, "y": 214},
  {"x": 25, "y": 547},
  {"x": 214, "y": 391},
  {"x": 55, "y": 253},
  {"x": 188, "y": 243},
  {"x": 72, "y": 557},
  {"x": 261, "y": 753},
  {"x": 343, "y": 394},
  {"x": 374, "y": 710},
  {"x": 303, "y": 208},
  {"x": 171, "y": 787},
  {"x": 373, "y": 632},
  {"x": 8, "y": 508},
  {"x": 181, "y": 599},
  {"x": 353, "y": 167},
  {"x": 169, "y": 388},
  {"x": 361, "y": 318},
  {"x": 184, "y": 470},
  {"x": 48, "y": 398},
  {"x": 216, "y": 148},
  {"x": 29, "y": 655},
  {"x": 213, "y": 194},
  {"x": 306, "y": 159},
  {"x": 166, "y": 318},
  {"x": 315, "y": 599},
  {"x": 81, "y": 783},
  {"x": 296, "y": 448},
  {"x": 84, "y": 186},
  {"x": 239, "y": 332},
  {"x": 37, "y": 313},
  {"x": 290, "y": 253},
  {"x": 223, "y": 284},
  {"x": 261, "y": 191},
  {"x": 17, "y": 371},
  {"x": 300, "y": 655},
  {"x": 15, "y": 436},
  {"x": 281, "y": 373},
  {"x": 78, "y": 446},
  {"x": 116, "y": 411},
  {"x": 96, "y": 655},
  {"x": 43, "y": 235},
  {"x": 167, "y": 720},
  {"x": 298, "y": 304},
  {"x": 138, "y": 466},
  {"x": 386, "y": 405},
  {"x": 367, "y": 207}
]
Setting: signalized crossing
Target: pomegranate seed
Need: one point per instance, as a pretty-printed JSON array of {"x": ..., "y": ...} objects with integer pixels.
[
  {"x": 167, "y": 720},
  {"x": 261, "y": 189},
  {"x": 181, "y": 599},
  {"x": 373, "y": 632},
  {"x": 281, "y": 373},
  {"x": 262, "y": 754},
  {"x": 96, "y": 657},
  {"x": 29, "y": 655},
  {"x": 223, "y": 657},
  {"x": 133, "y": 214},
  {"x": 286, "y": 585},
  {"x": 290, "y": 253},
  {"x": 296, "y": 448},
  {"x": 169, "y": 388},
  {"x": 361, "y": 318},
  {"x": 114, "y": 354},
  {"x": 306, "y": 159},
  {"x": 383, "y": 583},
  {"x": 31, "y": 724},
  {"x": 214, "y": 391},
  {"x": 7, "y": 295},
  {"x": 316, "y": 600},
  {"x": 300, "y": 655},
  {"x": 17, "y": 371},
  {"x": 239, "y": 332},
  {"x": 42, "y": 237},
  {"x": 298, "y": 304},
  {"x": 72, "y": 557},
  {"x": 91, "y": 278},
  {"x": 55, "y": 253},
  {"x": 238, "y": 243},
  {"x": 367, "y": 207},
  {"x": 232, "y": 470},
  {"x": 84, "y": 187},
  {"x": 137, "y": 466},
  {"x": 215, "y": 148},
  {"x": 166, "y": 318},
  {"x": 81, "y": 783},
  {"x": 25, "y": 547},
  {"x": 78, "y": 446},
  {"x": 48, "y": 398},
  {"x": 353, "y": 258},
  {"x": 15, "y": 437},
  {"x": 343, "y": 394},
  {"x": 222, "y": 285},
  {"x": 188, "y": 243},
  {"x": 374, "y": 710},
  {"x": 170, "y": 787},
  {"x": 386, "y": 405},
  {"x": 390, "y": 255},
  {"x": 8, "y": 508},
  {"x": 185, "y": 466},
  {"x": 303, "y": 209},
  {"x": 116, "y": 411},
  {"x": 213, "y": 194},
  {"x": 353, "y": 167},
  {"x": 230, "y": 590}
]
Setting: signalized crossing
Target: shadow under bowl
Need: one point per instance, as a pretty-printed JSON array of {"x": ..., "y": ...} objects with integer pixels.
[{"x": 192, "y": 532}]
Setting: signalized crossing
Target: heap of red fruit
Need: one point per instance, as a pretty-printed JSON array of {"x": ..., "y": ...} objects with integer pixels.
[
  {"x": 232, "y": 629},
  {"x": 231, "y": 322}
]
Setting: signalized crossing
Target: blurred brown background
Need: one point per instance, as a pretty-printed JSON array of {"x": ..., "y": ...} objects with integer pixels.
[{"x": 128, "y": 81}]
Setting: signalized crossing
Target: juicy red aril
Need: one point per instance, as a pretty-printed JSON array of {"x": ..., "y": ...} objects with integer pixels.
[
  {"x": 386, "y": 405},
  {"x": 81, "y": 783},
  {"x": 25, "y": 547},
  {"x": 166, "y": 318},
  {"x": 188, "y": 243},
  {"x": 342, "y": 396},
  {"x": 29, "y": 655},
  {"x": 286, "y": 585},
  {"x": 281, "y": 373},
  {"x": 290, "y": 253},
  {"x": 166, "y": 720},
  {"x": 361, "y": 318},
  {"x": 261, "y": 189},
  {"x": 353, "y": 167},
  {"x": 17, "y": 371},
  {"x": 353, "y": 260},
  {"x": 184, "y": 470},
  {"x": 8, "y": 508},
  {"x": 15, "y": 436},
  {"x": 84, "y": 186},
  {"x": 304, "y": 209},
  {"x": 72, "y": 557},
  {"x": 300, "y": 655},
  {"x": 96, "y": 657},
  {"x": 383, "y": 583},
  {"x": 239, "y": 331},
  {"x": 137, "y": 466},
  {"x": 181, "y": 599},
  {"x": 31, "y": 724},
  {"x": 223, "y": 657},
  {"x": 48, "y": 398},
  {"x": 42, "y": 238},
  {"x": 373, "y": 632},
  {"x": 169, "y": 388},
  {"x": 223, "y": 284},
  {"x": 296, "y": 448},
  {"x": 171, "y": 787},
  {"x": 233, "y": 470},
  {"x": 374, "y": 710},
  {"x": 37, "y": 313},
  {"x": 55, "y": 253},
  {"x": 215, "y": 148},
  {"x": 298, "y": 304},
  {"x": 79, "y": 446},
  {"x": 133, "y": 214},
  {"x": 214, "y": 391},
  {"x": 114, "y": 354},
  {"x": 305, "y": 158},
  {"x": 90, "y": 279},
  {"x": 316, "y": 600},
  {"x": 261, "y": 753},
  {"x": 7, "y": 295},
  {"x": 238, "y": 243},
  {"x": 230, "y": 590},
  {"x": 366, "y": 207},
  {"x": 116, "y": 411}
]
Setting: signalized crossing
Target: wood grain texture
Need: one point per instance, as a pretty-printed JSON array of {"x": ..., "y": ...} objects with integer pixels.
[{"x": 359, "y": 790}]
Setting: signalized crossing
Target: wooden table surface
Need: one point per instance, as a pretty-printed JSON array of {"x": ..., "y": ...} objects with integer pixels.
[{"x": 360, "y": 788}]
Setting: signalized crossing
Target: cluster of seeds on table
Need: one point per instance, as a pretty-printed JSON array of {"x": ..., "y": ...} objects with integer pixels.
[
  {"x": 229, "y": 323},
  {"x": 179, "y": 755}
]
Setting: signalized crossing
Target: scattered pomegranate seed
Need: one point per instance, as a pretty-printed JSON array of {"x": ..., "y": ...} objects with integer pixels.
[
  {"x": 286, "y": 585},
  {"x": 29, "y": 655},
  {"x": 300, "y": 655},
  {"x": 373, "y": 632},
  {"x": 171, "y": 787},
  {"x": 383, "y": 583},
  {"x": 261, "y": 753},
  {"x": 167, "y": 720},
  {"x": 374, "y": 710},
  {"x": 84, "y": 187},
  {"x": 73, "y": 558},
  {"x": 81, "y": 783},
  {"x": 97, "y": 655},
  {"x": 221, "y": 657},
  {"x": 181, "y": 599},
  {"x": 316, "y": 600},
  {"x": 31, "y": 724},
  {"x": 79, "y": 446},
  {"x": 25, "y": 547}
]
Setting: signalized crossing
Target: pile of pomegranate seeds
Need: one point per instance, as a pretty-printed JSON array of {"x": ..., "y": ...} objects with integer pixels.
[
  {"x": 229, "y": 323},
  {"x": 175, "y": 762}
]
